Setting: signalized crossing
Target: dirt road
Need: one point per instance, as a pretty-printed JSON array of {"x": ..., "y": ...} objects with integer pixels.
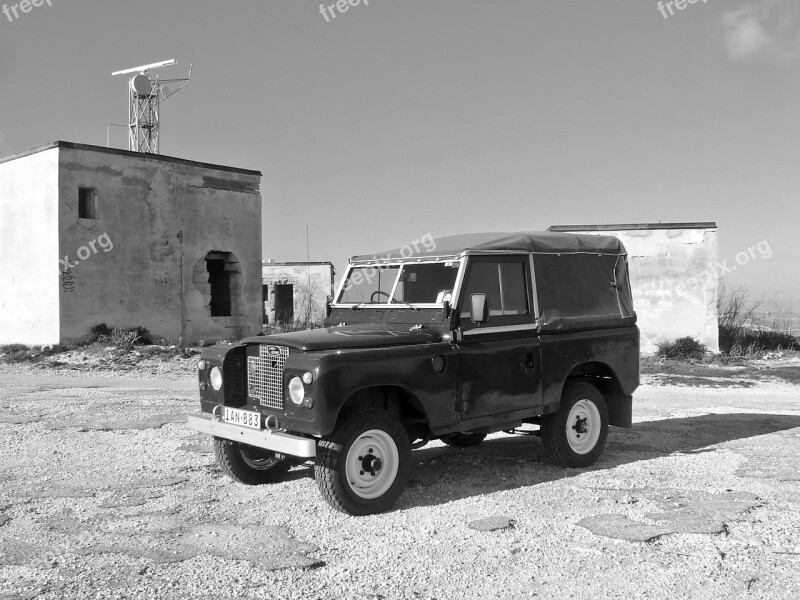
[{"x": 105, "y": 494}]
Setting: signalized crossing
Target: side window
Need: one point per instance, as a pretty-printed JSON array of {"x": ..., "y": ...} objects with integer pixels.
[
  {"x": 482, "y": 279},
  {"x": 505, "y": 283},
  {"x": 87, "y": 203},
  {"x": 513, "y": 283}
]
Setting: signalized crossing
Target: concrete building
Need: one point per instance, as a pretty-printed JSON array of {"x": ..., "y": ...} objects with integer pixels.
[
  {"x": 673, "y": 269},
  {"x": 94, "y": 235},
  {"x": 296, "y": 292}
]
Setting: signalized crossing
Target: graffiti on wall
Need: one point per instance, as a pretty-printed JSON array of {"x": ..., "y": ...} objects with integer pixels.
[
  {"x": 166, "y": 290},
  {"x": 67, "y": 280}
]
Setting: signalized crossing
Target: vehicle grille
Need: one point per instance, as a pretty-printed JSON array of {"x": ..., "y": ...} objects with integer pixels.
[
  {"x": 234, "y": 377},
  {"x": 265, "y": 375}
]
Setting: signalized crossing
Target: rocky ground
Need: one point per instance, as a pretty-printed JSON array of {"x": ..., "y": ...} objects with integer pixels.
[
  {"x": 104, "y": 360},
  {"x": 104, "y": 493}
]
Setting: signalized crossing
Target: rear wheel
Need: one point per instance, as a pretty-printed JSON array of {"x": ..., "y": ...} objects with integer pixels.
[
  {"x": 463, "y": 440},
  {"x": 362, "y": 467},
  {"x": 247, "y": 464},
  {"x": 576, "y": 435}
]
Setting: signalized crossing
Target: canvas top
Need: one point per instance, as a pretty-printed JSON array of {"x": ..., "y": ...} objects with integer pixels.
[{"x": 542, "y": 242}]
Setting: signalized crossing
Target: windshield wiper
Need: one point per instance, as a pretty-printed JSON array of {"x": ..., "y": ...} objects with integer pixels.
[
  {"x": 363, "y": 304},
  {"x": 411, "y": 306},
  {"x": 382, "y": 305}
]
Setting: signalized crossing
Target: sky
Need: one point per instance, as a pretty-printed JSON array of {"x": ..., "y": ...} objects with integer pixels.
[{"x": 403, "y": 118}]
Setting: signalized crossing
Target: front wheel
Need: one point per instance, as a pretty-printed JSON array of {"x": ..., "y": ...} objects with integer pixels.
[
  {"x": 362, "y": 467},
  {"x": 576, "y": 435},
  {"x": 248, "y": 465}
]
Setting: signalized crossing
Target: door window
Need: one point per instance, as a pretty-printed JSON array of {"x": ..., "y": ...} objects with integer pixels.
[{"x": 505, "y": 283}]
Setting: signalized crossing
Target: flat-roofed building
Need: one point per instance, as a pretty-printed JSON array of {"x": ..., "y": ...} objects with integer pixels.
[
  {"x": 95, "y": 235},
  {"x": 295, "y": 293}
]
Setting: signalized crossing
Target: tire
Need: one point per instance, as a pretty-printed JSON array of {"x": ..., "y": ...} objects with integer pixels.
[
  {"x": 248, "y": 465},
  {"x": 362, "y": 467},
  {"x": 463, "y": 440},
  {"x": 576, "y": 435}
]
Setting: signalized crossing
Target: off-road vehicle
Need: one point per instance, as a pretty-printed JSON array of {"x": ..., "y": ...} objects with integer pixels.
[{"x": 471, "y": 335}]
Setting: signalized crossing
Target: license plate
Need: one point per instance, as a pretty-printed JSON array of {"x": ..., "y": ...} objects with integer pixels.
[{"x": 245, "y": 418}]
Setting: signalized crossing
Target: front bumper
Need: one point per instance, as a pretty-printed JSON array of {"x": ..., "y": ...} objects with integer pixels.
[{"x": 275, "y": 441}]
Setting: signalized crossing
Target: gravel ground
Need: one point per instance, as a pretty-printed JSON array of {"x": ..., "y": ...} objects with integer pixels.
[
  {"x": 104, "y": 493},
  {"x": 142, "y": 362}
]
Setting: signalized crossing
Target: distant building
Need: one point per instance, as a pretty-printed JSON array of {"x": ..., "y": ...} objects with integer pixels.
[
  {"x": 673, "y": 270},
  {"x": 94, "y": 235},
  {"x": 296, "y": 292}
]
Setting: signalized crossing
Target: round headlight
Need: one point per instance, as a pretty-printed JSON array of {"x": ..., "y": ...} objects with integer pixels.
[
  {"x": 201, "y": 365},
  {"x": 216, "y": 378},
  {"x": 296, "y": 391},
  {"x": 308, "y": 377}
]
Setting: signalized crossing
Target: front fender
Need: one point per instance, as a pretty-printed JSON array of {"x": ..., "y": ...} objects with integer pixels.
[{"x": 411, "y": 368}]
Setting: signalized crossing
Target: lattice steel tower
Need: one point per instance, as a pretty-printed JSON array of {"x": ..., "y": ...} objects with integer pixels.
[{"x": 144, "y": 105}]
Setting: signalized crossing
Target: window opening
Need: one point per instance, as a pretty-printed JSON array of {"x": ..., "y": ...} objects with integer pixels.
[{"x": 87, "y": 203}]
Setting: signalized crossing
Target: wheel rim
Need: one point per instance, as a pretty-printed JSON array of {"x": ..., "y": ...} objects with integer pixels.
[
  {"x": 583, "y": 427},
  {"x": 371, "y": 464},
  {"x": 258, "y": 460}
]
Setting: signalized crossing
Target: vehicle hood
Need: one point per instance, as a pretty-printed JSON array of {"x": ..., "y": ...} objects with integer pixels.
[{"x": 341, "y": 338}]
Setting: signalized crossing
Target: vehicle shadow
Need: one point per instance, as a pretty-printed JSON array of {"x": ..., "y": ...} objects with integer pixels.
[{"x": 444, "y": 474}]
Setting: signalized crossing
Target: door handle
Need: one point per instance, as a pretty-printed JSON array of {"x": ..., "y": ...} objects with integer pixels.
[{"x": 528, "y": 362}]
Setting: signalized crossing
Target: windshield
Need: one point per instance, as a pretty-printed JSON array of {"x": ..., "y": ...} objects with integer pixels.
[{"x": 426, "y": 283}]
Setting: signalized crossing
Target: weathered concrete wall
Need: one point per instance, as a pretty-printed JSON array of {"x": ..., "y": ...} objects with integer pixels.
[
  {"x": 674, "y": 284},
  {"x": 158, "y": 220},
  {"x": 313, "y": 283},
  {"x": 29, "y": 312}
]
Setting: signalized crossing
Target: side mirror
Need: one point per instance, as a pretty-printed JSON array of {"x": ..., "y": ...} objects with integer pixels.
[{"x": 480, "y": 309}]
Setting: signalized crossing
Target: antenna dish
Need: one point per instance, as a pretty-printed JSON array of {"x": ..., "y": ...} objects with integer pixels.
[
  {"x": 142, "y": 85},
  {"x": 164, "y": 92}
]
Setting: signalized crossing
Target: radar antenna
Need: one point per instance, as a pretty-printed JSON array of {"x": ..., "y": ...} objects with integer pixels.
[{"x": 144, "y": 103}]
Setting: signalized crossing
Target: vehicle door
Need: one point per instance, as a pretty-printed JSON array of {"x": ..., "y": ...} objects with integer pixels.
[{"x": 499, "y": 359}]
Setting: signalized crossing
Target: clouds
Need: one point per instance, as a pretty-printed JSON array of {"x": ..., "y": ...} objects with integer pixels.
[
  {"x": 767, "y": 29},
  {"x": 745, "y": 36}
]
